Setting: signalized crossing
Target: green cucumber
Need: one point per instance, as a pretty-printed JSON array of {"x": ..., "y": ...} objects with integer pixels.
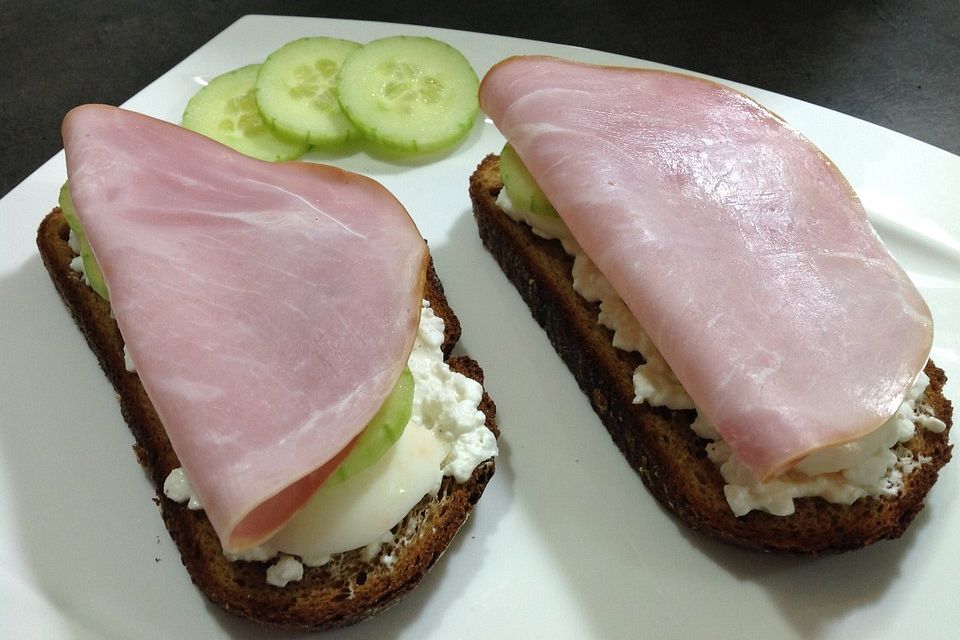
[
  {"x": 69, "y": 211},
  {"x": 226, "y": 110},
  {"x": 296, "y": 91},
  {"x": 90, "y": 267},
  {"x": 409, "y": 94},
  {"x": 381, "y": 432},
  {"x": 523, "y": 190}
]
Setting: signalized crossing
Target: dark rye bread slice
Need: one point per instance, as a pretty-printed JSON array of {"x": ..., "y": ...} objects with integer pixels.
[
  {"x": 658, "y": 442},
  {"x": 348, "y": 589}
]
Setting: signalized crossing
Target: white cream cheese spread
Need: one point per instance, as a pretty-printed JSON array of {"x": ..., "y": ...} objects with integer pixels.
[
  {"x": 177, "y": 488},
  {"x": 74, "y": 244},
  {"x": 446, "y": 435},
  {"x": 76, "y": 264},
  {"x": 873, "y": 465},
  {"x": 287, "y": 569}
]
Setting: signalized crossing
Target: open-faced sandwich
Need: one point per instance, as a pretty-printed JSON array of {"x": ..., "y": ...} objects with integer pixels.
[
  {"x": 281, "y": 347},
  {"x": 712, "y": 281}
]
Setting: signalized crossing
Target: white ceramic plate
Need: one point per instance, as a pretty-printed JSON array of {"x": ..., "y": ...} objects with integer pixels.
[{"x": 566, "y": 542}]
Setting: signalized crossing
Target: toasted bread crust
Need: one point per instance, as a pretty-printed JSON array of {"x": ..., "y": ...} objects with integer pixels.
[
  {"x": 351, "y": 587},
  {"x": 658, "y": 442}
]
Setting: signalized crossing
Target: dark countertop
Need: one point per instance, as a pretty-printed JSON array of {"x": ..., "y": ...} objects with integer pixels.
[{"x": 893, "y": 63}]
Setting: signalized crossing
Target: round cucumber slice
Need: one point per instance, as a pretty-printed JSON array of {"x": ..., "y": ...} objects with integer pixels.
[
  {"x": 409, "y": 94},
  {"x": 523, "y": 190},
  {"x": 296, "y": 91},
  {"x": 91, "y": 268},
  {"x": 381, "y": 432},
  {"x": 226, "y": 110}
]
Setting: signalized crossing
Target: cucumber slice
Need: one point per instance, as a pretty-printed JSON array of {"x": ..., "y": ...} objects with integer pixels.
[
  {"x": 226, "y": 110},
  {"x": 91, "y": 268},
  {"x": 69, "y": 211},
  {"x": 381, "y": 432},
  {"x": 409, "y": 94},
  {"x": 296, "y": 91},
  {"x": 523, "y": 190}
]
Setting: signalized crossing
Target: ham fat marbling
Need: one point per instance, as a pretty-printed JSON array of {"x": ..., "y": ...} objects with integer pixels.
[
  {"x": 269, "y": 309},
  {"x": 738, "y": 245}
]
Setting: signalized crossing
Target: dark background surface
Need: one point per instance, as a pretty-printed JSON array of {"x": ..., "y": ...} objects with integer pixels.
[{"x": 894, "y": 63}]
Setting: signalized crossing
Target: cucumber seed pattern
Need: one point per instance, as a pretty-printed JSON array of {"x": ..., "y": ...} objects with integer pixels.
[
  {"x": 316, "y": 84},
  {"x": 240, "y": 116},
  {"x": 407, "y": 85},
  {"x": 409, "y": 94},
  {"x": 227, "y": 110}
]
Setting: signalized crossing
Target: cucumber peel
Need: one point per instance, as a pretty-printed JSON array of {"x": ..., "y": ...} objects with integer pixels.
[
  {"x": 523, "y": 190},
  {"x": 383, "y": 430},
  {"x": 91, "y": 268}
]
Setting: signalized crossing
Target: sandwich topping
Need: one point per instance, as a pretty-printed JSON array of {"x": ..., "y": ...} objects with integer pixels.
[
  {"x": 240, "y": 288},
  {"x": 873, "y": 465},
  {"x": 446, "y": 436},
  {"x": 738, "y": 247}
]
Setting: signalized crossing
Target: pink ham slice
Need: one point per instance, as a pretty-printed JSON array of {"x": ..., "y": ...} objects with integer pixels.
[
  {"x": 740, "y": 248},
  {"x": 269, "y": 309}
]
